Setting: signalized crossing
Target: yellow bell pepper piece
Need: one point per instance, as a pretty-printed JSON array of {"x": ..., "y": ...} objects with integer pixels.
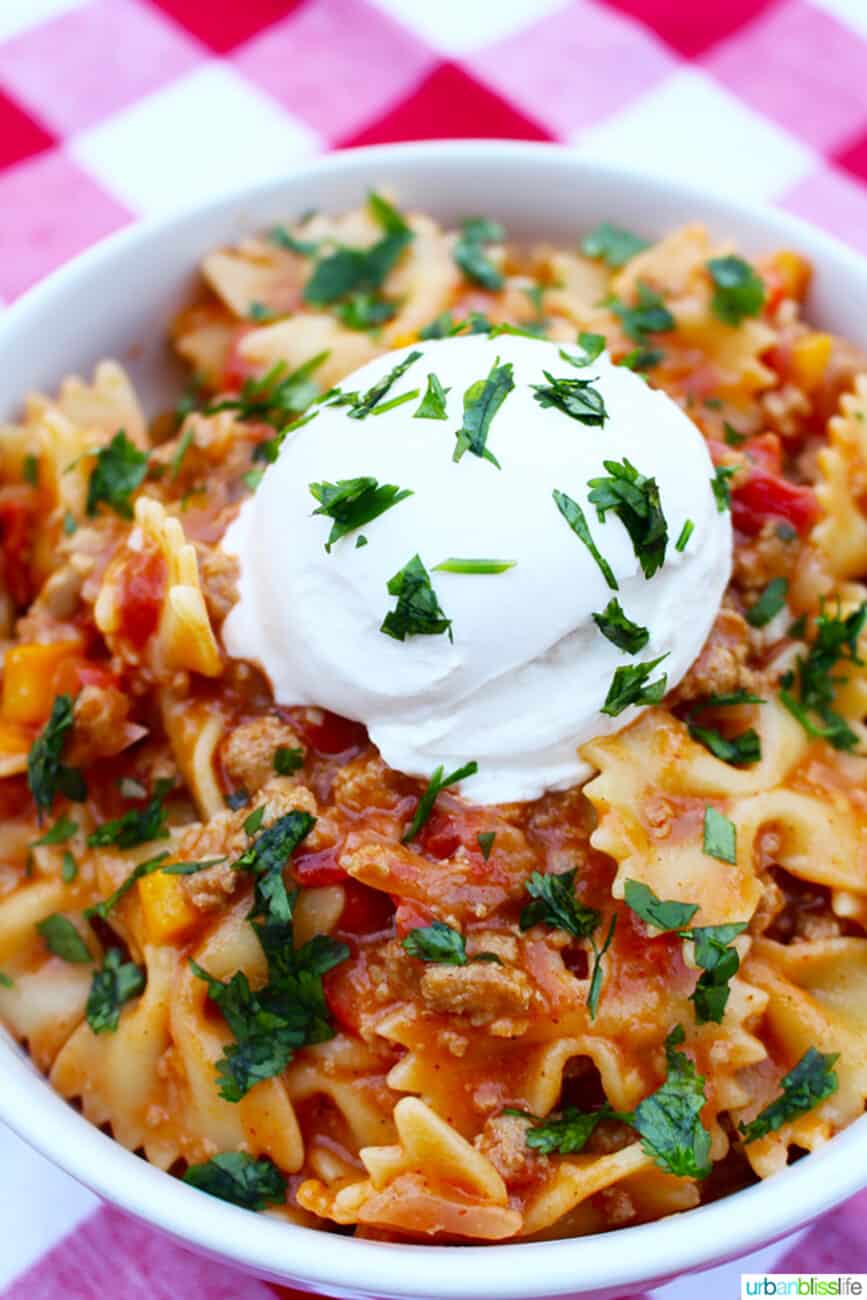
[
  {"x": 810, "y": 356},
  {"x": 795, "y": 271},
  {"x": 28, "y": 679},
  {"x": 168, "y": 913}
]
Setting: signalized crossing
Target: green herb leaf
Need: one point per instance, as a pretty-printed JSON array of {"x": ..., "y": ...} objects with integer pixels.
[
  {"x": 353, "y": 502},
  {"x": 738, "y": 290},
  {"x": 417, "y": 612},
  {"x": 815, "y": 681},
  {"x": 285, "y": 239},
  {"x": 425, "y": 804},
  {"x": 105, "y": 905},
  {"x": 721, "y": 487},
  {"x": 252, "y": 822},
  {"x": 441, "y": 327},
  {"x": 649, "y": 316},
  {"x": 592, "y": 346},
  {"x": 69, "y": 524},
  {"x": 288, "y": 759},
  {"x": 597, "y": 974},
  {"x": 362, "y": 406},
  {"x": 190, "y": 868},
  {"x": 62, "y": 830},
  {"x": 741, "y": 750},
  {"x": 354, "y": 270},
  {"x": 280, "y": 395},
  {"x": 719, "y": 836},
  {"x": 628, "y": 686},
  {"x": 620, "y": 630},
  {"x": 663, "y": 916},
  {"x": 6, "y": 981},
  {"x": 669, "y": 1120},
  {"x": 641, "y": 359},
  {"x": 396, "y": 401},
  {"x": 804, "y": 1087},
  {"x": 138, "y": 825},
  {"x": 731, "y": 435},
  {"x": 469, "y": 252},
  {"x": 719, "y": 962},
  {"x": 365, "y": 311},
  {"x": 30, "y": 470},
  {"x": 577, "y": 521},
  {"x": 240, "y": 1179},
  {"x": 771, "y": 601},
  {"x": 236, "y": 799},
  {"x": 267, "y": 856},
  {"x": 485, "y": 841},
  {"x": 612, "y": 244},
  {"x": 119, "y": 470},
  {"x": 184, "y": 444},
  {"x": 635, "y": 500},
  {"x": 61, "y": 937},
  {"x": 685, "y": 533},
  {"x": 433, "y": 405},
  {"x": 454, "y": 564},
  {"x": 556, "y": 904},
  {"x": 574, "y": 397},
  {"x": 69, "y": 869},
  {"x": 113, "y": 984},
  {"x": 47, "y": 774},
  {"x": 566, "y": 1134},
  {"x": 437, "y": 943},
  {"x": 482, "y": 401}
]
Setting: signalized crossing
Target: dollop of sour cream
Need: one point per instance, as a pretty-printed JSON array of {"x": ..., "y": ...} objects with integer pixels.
[{"x": 521, "y": 684}]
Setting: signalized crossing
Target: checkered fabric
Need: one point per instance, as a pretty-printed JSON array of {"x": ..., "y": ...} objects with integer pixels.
[{"x": 110, "y": 109}]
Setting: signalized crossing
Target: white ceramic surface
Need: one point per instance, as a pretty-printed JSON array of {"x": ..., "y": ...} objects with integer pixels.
[{"x": 116, "y": 301}]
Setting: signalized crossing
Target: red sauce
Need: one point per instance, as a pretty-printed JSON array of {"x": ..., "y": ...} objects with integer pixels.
[{"x": 142, "y": 590}]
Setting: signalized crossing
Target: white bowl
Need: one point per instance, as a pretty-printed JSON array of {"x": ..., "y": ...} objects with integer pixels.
[{"x": 116, "y": 300}]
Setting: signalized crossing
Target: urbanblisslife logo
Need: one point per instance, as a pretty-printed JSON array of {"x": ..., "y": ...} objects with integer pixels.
[{"x": 803, "y": 1284}]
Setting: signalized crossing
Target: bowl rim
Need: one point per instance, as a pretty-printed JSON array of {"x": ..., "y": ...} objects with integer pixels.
[{"x": 268, "y": 1246}]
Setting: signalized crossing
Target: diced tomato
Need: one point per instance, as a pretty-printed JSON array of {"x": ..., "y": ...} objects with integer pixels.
[
  {"x": 410, "y": 915},
  {"x": 312, "y": 869},
  {"x": 332, "y": 734},
  {"x": 236, "y": 369},
  {"x": 768, "y": 496},
  {"x": 344, "y": 988},
  {"x": 142, "y": 587},
  {"x": 18, "y": 507},
  {"x": 441, "y": 836},
  {"x": 366, "y": 910}
]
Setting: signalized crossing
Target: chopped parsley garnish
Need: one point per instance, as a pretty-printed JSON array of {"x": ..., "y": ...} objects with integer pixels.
[
  {"x": 240, "y": 1179},
  {"x": 804, "y": 1087},
  {"x": 454, "y": 564},
  {"x": 485, "y": 841},
  {"x": 253, "y": 821},
  {"x": 358, "y": 270},
  {"x": 566, "y": 1134},
  {"x": 619, "y": 629},
  {"x": 469, "y": 252},
  {"x": 574, "y": 397},
  {"x": 441, "y": 327},
  {"x": 685, "y": 533},
  {"x": 437, "y": 942},
  {"x": 177, "y": 460},
  {"x": 612, "y": 244},
  {"x": 771, "y": 601},
  {"x": 720, "y": 840},
  {"x": 6, "y": 981},
  {"x": 190, "y": 868},
  {"x": 482, "y": 401},
  {"x": 62, "y": 830},
  {"x": 433, "y": 405},
  {"x": 649, "y": 316},
  {"x": 663, "y": 916},
  {"x": 741, "y": 750},
  {"x": 119, "y": 470},
  {"x": 138, "y": 825},
  {"x": 809, "y": 689},
  {"x": 720, "y": 485},
  {"x": 731, "y": 435},
  {"x": 61, "y": 937},
  {"x": 592, "y": 346},
  {"x": 30, "y": 470},
  {"x": 364, "y": 311},
  {"x": 47, "y": 774},
  {"x": 556, "y": 904},
  {"x": 669, "y": 1120},
  {"x": 719, "y": 962},
  {"x": 577, "y": 521},
  {"x": 69, "y": 868},
  {"x": 361, "y": 406},
  {"x": 635, "y": 500},
  {"x": 113, "y": 984},
  {"x": 597, "y": 973},
  {"x": 738, "y": 290},
  {"x": 102, "y": 908},
  {"x": 288, "y": 759},
  {"x": 425, "y": 804},
  {"x": 353, "y": 502},
  {"x": 629, "y": 686},
  {"x": 417, "y": 612},
  {"x": 396, "y": 401},
  {"x": 268, "y": 855},
  {"x": 641, "y": 359},
  {"x": 278, "y": 397},
  {"x": 284, "y": 238}
]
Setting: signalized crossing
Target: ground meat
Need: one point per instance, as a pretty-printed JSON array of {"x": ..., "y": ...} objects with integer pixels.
[
  {"x": 218, "y": 573},
  {"x": 785, "y": 409},
  {"x": 481, "y": 991},
  {"x": 248, "y": 751},
  {"x": 722, "y": 665},
  {"x": 770, "y": 555},
  {"x": 102, "y": 727},
  {"x": 503, "y": 1141}
]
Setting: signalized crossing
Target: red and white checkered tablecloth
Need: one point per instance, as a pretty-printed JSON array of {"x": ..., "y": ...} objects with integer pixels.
[{"x": 110, "y": 109}]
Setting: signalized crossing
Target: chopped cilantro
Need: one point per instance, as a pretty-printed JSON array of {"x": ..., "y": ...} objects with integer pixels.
[
  {"x": 365, "y": 311},
  {"x": 574, "y": 397},
  {"x": 649, "y": 316},
  {"x": 268, "y": 855},
  {"x": 113, "y": 984},
  {"x": 284, "y": 238},
  {"x": 597, "y": 973},
  {"x": 236, "y": 799},
  {"x": 276, "y": 398},
  {"x": 69, "y": 868},
  {"x": 620, "y": 630},
  {"x": 433, "y": 405},
  {"x": 417, "y": 612},
  {"x": 62, "y": 830},
  {"x": 804, "y": 1087},
  {"x": 721, "y": 487},
  {"x": 719, "y": 962},
  {"x": 635, "y": 500},
  {"x": 69, "y": 524},
  {"x": 731, "y": 435},
  {"x": 30, "y": 470},
  {"x": 240, "y": 1179},
  {"x": 663, "y": 916},
  {"x": 769, "y": 604},
  {"x": 441, "y": 327},
  {"x": 6, "y": 981},
  {"x": 47, "y": 774},
  {"x": 720, "y": 840},
  {"x": 738, "y": 290},
  {"x": 669, "y": 1120},
  {"x": 741, "y": 750},
  {"x": 61, "y": 937},
  {"x": 190, "y": 868},
  {"x": 628, "y": 687},
  {"x": 685, "y": 533},
  {"x": 556, "y": 904},
  {"x": 119, "y": 470},
  {"x": 592, "y": 346},
  {"x": 641, "y": 359},
  {"x": 358, "y": 270},
  {"x": 288, "y": 759},
  {"x": 137, "y": 825},
  {"x": 809, "y": 689},
  {"x": 437, "y": 943},
  {"x": 577, "y": 521},
  {"x": 469, "y": 252},
  {"x": 102, "y": 908},
  {"x": 567, "y": 1134},
  {"x": 361, "y": 406},
  {"x": 612, "y": 244},
  {"x": 454, "y": 564},
  {"x": 258, "y": 311},
  {"x": 253, "y": 821},
  {"x": 353, "y": 502},
  {"x": 253, "y": 478},
  {"x": 396, "y": 401},
  {"x": 485, "y": 841},
  {"x": 482, "y": 401},
  {"x": 184, "y": 444},
  {"x": 425, "y": 804}
]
